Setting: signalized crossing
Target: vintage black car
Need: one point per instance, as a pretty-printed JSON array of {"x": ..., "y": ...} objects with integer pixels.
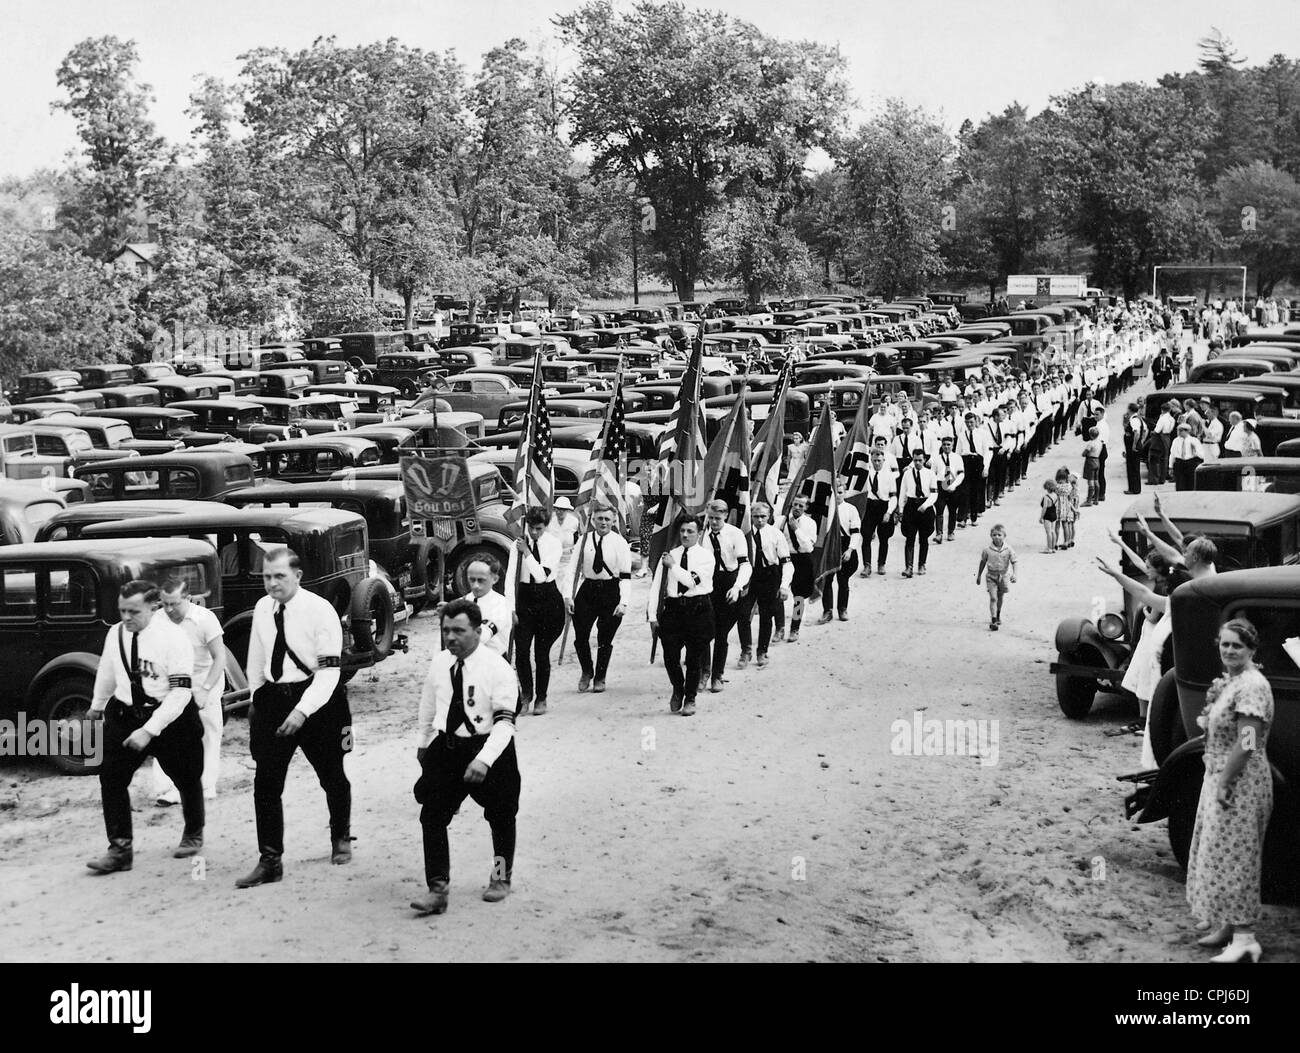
[
  {"x": 1270, "y": 600},
  {"x": 1250, "y": 530},
  {"x": 163, "y": 422},
  {"x": 293, "y": 418},
  {"x": 1251, "y": 402},
  {"x": 238, "y": 382},
  {"x": 182, "y": 389},
  {"x": 36, "y": 387},
  {"x": 285, "y": 383},
  {"x": 58, "y": 601},
  {"x": 147, "y": 372},
  {"x": 1287, "y": 383},
  {"x": 388, "y": 437},
  {"x": 184, "y": 475},
  {"x": 415, "y": 567},
  {"x": 376, "y": 403},
  {"x": 1276, "y": 434},
  {"x": 410, "y": 372},
  {"x": 26, "y": 412},
  {"x": 24, "y": 507},
  {"x": 1221, "y": 370},
  {"x": 110, "y": 376},
  {"x": 318, "y": 457},
  {"x": 129, "y": 396},
  {"x": 331, "y": 544},
  {"x": 319, "y": 371},
  {"x": 1260, "y": 475},
  {"x": 54, "y": 438},
  {"x": 84, "y": 401},
  {"x": 227, "y": 416},
  {"x": 67, "y": 524}
]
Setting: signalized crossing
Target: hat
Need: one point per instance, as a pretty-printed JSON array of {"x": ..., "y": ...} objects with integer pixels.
[{"x": 564, "y": 502}]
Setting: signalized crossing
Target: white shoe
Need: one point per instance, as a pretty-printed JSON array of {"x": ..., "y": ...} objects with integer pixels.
[
  {"x": 1239, "y": 951},
  {"x": 168, "y": 798}
]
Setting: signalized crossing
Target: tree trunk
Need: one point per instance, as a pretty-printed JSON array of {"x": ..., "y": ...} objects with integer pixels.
[
  {"x": 408, "y": 302},
  {"x": 514, "y": 304}
]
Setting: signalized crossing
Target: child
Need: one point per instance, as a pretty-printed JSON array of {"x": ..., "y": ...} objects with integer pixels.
[
  {"x": 1047, "y": 514},
  {"x": 1067, "y": 506},
  {"x": 1000, "y": 560},
  {"x": 1091, "y": 465}
]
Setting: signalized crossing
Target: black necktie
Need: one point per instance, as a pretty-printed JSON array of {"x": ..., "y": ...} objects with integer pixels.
[
  {"x": 717, "y": 551},
  {"x": 760, "y": 560},
  {"x": 682, "y": 587},
  {"x": 281, "y": 646},
  {"x": 456, "y": 711},
  {"x": 916, "y": 474},
  {"x": 906, "y": 454},
  {"x": 532, "y": 548},
  {"x": 135, "y": 656},
  {"x": 970, "y": 439},
  {"x": 598, "y": 561},
  {"x": 875, "y": 485}
]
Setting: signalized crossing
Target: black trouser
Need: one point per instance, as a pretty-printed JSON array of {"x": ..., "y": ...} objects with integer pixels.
[
  {"x": 1161, "y": 380},
  {"x": 972, "y": 490},
  {"x": 841, "y": 577},
  {"x": 724, "y": 618},
  {"x": 597, "y": 598},
  {"x": 684, "y": 625},
  {"x": 442, "y": 789},
  {"x": 764, "y": 593},
  {"x": 1101, "y": 473},
  {"x": 1058, "y": 432},
  {"x": 997, "y": 475},
  {"x": 1133, "y": 467},
  {"x": 541, "y": 620},
  {"x": 949, "y": 501},
  {"x": 875, "y": 522},
  {"x": 325, "y": 739},
  {"x": 1158, "y": 460},
  {"x": 179, "y": 752},
  {"x": 1185, "y": 472},
  {"x": 916, "y": 524}
]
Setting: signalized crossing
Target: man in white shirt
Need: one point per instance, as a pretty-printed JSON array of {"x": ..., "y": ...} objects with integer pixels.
[
  {"x": 498, "y": 612},
  {"x": 882, "y": 422},
  {"x": 539, "y": 608},
  {"x": 1000, "y": 441},
  {"x": 1184, "y": 458},
  {"x": 203, "y": 629},
  {"x": 1162, "y": 436},
  {"x": 972, "y": 446},
  {"x": 465, "y": 744},
  {"x": 880, "y": 501},
  {"x": 143, "y": 695},
  {"x": 1135, "y": 434},
  {"x": 604, "y": 572},
  {"x": 565, "y": 525},
  {"x": 680, "y": 610},
  {"x": 850, "y": 527},
  {"x": 299, "y": 699},
  {"x": 918, "y": 490},
  {"x": 1212, "y": 438},
  {"x": 801, "y": 533},
  {"x": 948, "y": 391},
  {"x": 950, "y": 471},
  {"x": 769, "y": 584},
  {"x": 904, "y": 443},
  {"x": 731, "y": 575}
]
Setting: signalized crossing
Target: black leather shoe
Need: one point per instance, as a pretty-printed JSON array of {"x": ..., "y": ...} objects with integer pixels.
[
  {"x": 584, "y": 682},
  {"x": 341, "y": 851},
  {"x": 675, "y": 703},
  {"x": 112, "y": 861},
  {"x": 597, "y": 686},
  {"x": 266, "y": 872},
  {"x": 435, "y": 902},
  {"x": 189, "y": 846}
]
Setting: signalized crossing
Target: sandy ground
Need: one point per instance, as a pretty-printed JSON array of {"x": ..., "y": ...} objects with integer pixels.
[{"x": 778, "y": 824}]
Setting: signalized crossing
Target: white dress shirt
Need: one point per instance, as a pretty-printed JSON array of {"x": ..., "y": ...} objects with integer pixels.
[
  {"x": 850, "y": 523},
  {"x": 313, "y": 632},
  {"x": 617, "y": 559},
  {"x": 490, "y": 693},
  {"x": 801, "y": 533},
  {"x": 953, "y": 467},
  {"x": 928, "y": 490},
  {"x": 1185, "y": 448},
  {"x": 551, "y": 550},
  {"x": 734, "y": 547},
  {"x": 201, "y": 627},
  {"x": 498, "y": 618},
  {"x": 885, "y": 424},
  {"x": 695, "y": 579},
  {"x": 882, "y": 486},
  {"x": 166, "y": 669},
  {"x": 774, "y": 548}
]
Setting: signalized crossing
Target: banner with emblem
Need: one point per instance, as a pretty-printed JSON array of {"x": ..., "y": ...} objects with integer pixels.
[{"x": 817, "y": 484}]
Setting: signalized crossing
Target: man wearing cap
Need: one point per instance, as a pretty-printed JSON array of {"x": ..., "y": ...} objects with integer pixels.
[
  {"x": 565, "y": 525},
  {"x": 1184, "y": 456}
]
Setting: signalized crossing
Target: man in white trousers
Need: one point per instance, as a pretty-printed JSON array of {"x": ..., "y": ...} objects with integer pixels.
[{"x": 203, "y": 630}]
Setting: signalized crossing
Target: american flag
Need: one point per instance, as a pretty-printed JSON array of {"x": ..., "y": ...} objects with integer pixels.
[
  {"x": 602, "y": 484},
  {"x": 679, "y": 478},
  {"x": 534, "y": 464},
  {"x": 726, "y": 466}
]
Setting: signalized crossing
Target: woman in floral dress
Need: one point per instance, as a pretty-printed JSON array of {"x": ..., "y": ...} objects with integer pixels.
[
  {"x": 1223, "y": 866},
  {"x": 1067, "y": 506}
]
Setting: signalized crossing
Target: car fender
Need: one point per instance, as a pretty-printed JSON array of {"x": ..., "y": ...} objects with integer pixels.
[
  {"x": 1181, "y": 774},
  {"x": 73, "y": 661},
  {"x": 1074, "y": 633}
]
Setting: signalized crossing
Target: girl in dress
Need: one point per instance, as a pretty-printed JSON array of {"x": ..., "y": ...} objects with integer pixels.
[
  {"x": 1224, "y": 863},
  {"x": 1067, "y": 506}
]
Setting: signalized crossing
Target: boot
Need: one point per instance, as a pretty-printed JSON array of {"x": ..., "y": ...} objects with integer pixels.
[
  {"x": 435, "y": 902},
  {"x": 341, "y": 850},
  {"x": 539, "y": 707},
  {"x": 497, "y": 890},
  {"x": 269, "y": 869},
  {"x": 675, "y": 703},
  {"x": 603, "y": 655},
  {"x": 743, "y": 661},
  {"x": 119, "y": 856},
  {"x": 191, "y": 845}
]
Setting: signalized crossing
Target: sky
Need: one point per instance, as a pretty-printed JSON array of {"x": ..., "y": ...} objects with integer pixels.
[{"x": 957, "y": 59}]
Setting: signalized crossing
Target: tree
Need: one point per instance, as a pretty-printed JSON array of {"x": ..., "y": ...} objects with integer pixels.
[
  {"x": 897, "y": 167},
  {"x": 1121, "y": 175},
  {"x": 1258, "y": 212},
  {"x": 691, "y": 108},
  {"x": 58, "y": 306},
  {"x": 746, "y": 246},
  {"x": 111, "y": 112}
]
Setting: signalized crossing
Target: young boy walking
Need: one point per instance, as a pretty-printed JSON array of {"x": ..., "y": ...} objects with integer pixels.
[{"x": 1000, "y": 560}]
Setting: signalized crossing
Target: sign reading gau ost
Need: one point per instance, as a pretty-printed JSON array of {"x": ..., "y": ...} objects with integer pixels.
[{"x": 437, "y": 487}]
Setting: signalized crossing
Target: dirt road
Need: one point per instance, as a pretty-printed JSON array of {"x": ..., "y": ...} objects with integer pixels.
[{"x": 790, "y": 820}]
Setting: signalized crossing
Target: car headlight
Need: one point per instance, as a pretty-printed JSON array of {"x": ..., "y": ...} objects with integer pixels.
[{"x": 1111, "y": 627}]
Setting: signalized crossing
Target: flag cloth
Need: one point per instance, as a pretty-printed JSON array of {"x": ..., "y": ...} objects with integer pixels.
[
  {"x": 726, "y": 465},
  {"x": 677, "y": 479},
  {"x": 853, "y": 458},
  {"x": 602, "y": 484},
  {"x": 765, "y": 466},
  {"x": 818, "y": 486},
  {"x": 534, "y": 465}
]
